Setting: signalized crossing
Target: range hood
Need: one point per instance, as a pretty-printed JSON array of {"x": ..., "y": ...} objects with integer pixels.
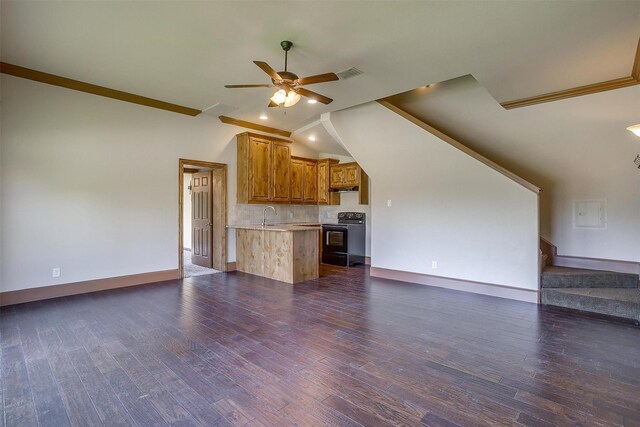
[{"x": 344, "y": 189}]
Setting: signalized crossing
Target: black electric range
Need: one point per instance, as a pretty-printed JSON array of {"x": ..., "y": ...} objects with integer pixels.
[{"x": 343, "y": 243}]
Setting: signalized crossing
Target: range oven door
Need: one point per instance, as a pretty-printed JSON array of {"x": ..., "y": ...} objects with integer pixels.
[{"x": 335, "y": 245}]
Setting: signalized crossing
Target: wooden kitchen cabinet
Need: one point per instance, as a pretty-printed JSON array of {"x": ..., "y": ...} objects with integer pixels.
[
  {"x": 304, "y": 178},
  {"x": 345, "y": 175},
  {"x": 348, "y": 175},
  {"x": 297, "y": 180},
  {"x": 325, "y": 197},
  {"x": 280, "y": 171},
  {"x": 351, "y": 174},
  {"x": 310, "y": 181},
  {"x": 336, "y": 173},
  {"x": 264, "y": 169}
]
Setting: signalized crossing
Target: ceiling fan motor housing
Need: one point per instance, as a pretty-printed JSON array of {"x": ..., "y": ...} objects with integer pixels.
[{"x": 287, "y": 78}]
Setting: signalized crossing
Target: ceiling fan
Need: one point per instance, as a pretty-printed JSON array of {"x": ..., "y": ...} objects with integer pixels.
[{"x": 289, "y": 83}]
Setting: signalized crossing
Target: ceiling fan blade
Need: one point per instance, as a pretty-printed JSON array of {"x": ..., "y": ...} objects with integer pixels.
[
  {"x": 272, "y": 104},
  {"x": 267, "y": 69},
  {"x": 239, "y": 86},
  {"x": 313, "y": 95},
  {"x": 320, "y": 78}
]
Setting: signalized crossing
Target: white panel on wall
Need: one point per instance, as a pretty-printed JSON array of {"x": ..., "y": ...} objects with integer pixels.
[{"x": 589, "y": 214}]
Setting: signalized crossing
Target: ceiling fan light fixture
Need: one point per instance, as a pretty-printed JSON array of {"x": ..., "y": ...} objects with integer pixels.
[
  {"x": 635, "y": 129},
  {"x": 279, "y": 97},
  {"x": 292, "y": 99},
  {"x": 284, "y": 98}
]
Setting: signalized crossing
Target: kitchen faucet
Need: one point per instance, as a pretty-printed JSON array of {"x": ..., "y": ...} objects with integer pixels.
[{"x": 264, "y": 215}]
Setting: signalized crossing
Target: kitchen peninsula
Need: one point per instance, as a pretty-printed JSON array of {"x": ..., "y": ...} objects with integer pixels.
[{"x": 286, "y": 252}]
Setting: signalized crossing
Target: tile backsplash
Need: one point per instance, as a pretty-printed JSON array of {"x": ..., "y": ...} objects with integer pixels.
[
  {"x": 348, "y": 203},
  {"x": 243, "y": 214}
]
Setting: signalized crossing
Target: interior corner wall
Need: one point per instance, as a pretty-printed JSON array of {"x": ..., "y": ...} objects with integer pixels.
[
  {"x": 445, "y": 206},
  {"x": 90, "y": 184}
]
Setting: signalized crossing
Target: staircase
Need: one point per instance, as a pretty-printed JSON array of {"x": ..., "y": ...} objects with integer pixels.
[{"x": 604, "y": 292}]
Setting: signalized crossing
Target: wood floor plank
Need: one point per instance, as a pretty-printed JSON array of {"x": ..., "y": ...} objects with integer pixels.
[
  {"x": 15, "y": 379},
  {"x": 110, "y": 409},
  {"x": 136, "y": 402},
  {"x": 343, "y": 350},
  {"x": 46, "y": 395}
]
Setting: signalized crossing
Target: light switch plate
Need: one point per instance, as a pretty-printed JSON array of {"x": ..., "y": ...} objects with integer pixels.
[{"x": 55, "y": 272}]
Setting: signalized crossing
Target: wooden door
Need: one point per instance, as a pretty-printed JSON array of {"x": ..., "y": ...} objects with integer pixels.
[
  {"x": 259, "y": 169},
  {"x": 201, "y": 219},
  {"x": 351, "y": 174},
  {"x": 280, "y": 171},
  {"x": 297, "y": 181},
  {"x": 310, "y": 182},
  {"x": 323, "y": 181},
  {"x": 337, "y": 176}
]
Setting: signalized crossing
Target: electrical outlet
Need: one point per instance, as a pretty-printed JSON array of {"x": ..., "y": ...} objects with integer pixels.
[
  {"x": 389, "y": 203},
  {"x": 55, "y": 272},
  {"x": 290, "y": 215},
  {"x": 434, "y": 264}
]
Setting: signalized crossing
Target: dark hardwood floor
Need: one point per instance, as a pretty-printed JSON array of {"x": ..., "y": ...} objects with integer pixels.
[{"x": 344, "y": 350}]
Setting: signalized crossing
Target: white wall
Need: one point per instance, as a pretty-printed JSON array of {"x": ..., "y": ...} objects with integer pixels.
[
  {"x": 89, "y": 183},
  {"x": 446, "y": 206},
  {"x": 186, "y": 212},
  {"x": 574, "y": 149}
]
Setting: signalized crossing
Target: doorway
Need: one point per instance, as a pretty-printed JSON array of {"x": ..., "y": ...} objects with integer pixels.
[{"x": 202, "y": 218}]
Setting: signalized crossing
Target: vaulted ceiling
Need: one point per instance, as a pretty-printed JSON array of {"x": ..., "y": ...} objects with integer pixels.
[{"x": 184, "y": 52}]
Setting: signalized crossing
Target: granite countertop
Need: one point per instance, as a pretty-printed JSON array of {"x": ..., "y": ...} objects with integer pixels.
[{"x": 278, "y": 227}]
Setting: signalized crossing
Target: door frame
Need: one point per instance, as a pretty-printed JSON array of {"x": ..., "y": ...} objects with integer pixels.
[{"x": 221, "y": 199}]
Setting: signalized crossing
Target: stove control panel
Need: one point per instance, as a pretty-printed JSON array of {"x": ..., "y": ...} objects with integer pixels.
[{"x": 351, "y": 217}]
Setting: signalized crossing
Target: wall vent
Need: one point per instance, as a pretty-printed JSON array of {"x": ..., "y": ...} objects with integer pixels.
[{"x": 347, "y": 74}]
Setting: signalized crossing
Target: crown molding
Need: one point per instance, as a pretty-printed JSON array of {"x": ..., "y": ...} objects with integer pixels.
[
  {"x": 621, "y": 82},
  {"x": 52, "y": 79}
]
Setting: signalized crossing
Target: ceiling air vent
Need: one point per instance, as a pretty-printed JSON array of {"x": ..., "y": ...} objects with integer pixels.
[{"x": 347, "y": 74}]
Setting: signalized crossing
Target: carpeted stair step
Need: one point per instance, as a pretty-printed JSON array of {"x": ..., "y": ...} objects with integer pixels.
[
  {"x": 619, "y": 302},
  {"x": 566, "y": 277}
]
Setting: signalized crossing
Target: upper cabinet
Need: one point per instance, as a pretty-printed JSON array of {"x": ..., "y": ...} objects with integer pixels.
[
  {"x": 280, "y": 171},
  {"x": 350, "y": 175},
  {"x": 345, "y": 175},
  {"x": 264, "y": 169},
  {"x": 311, "y": 181},
  {"x": 325, "y": 197},
  {"x": 297, "y": 180},
  {"x": 268, "y": 174},
  {"x": 304, "y": 181}
]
